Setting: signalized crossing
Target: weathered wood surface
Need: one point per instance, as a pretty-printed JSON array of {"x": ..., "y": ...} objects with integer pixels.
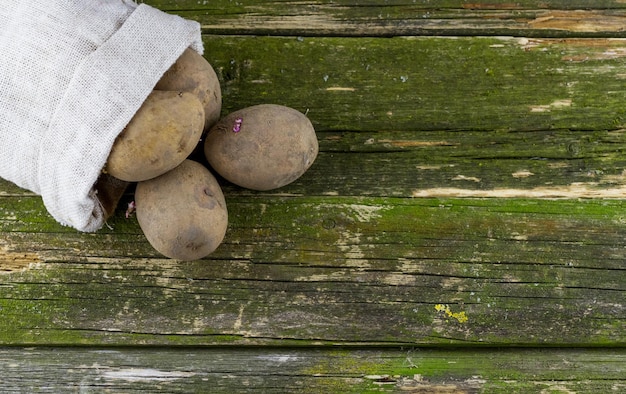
[
  {"x": 54, "y": 370},
  {"x": 534, "y": 18},
  {"x": 469, "y": 192},
  {"x": 329, "y": 270},
  {"x": 436, "y": 83}
]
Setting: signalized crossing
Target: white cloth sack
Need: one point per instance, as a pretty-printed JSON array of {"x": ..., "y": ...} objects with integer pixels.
[{"x": 72, "y": 75}]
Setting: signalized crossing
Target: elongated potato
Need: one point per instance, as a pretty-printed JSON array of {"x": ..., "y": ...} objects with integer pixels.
[
  {"x": 192, "y": 73},
  {"x": 164, "y": 131},
  {"x": 262, "y": 147},
  {"x": 183, "y": 212}
]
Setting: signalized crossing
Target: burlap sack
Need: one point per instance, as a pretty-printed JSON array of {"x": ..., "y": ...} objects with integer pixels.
[{"x": 72, "y": 75}]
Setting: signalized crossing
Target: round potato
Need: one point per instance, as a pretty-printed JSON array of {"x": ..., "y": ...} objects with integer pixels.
[
  {"x": 192, "y": 73},
  {"x": 262, "y": 147},
  {"x": 183, "y": 212},
  {"x": 164, "y": 131}
]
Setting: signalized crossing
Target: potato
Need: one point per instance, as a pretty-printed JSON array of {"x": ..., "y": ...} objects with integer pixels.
[
  {"x": 192, "y": 73},
  {"x": 164, "y": 131},
  {"x": 182, "y": 213},
  {"x": 262, "y": 147}
]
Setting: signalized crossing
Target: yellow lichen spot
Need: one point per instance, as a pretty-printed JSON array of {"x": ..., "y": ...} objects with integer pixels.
[{"x": 461, "y": 317}]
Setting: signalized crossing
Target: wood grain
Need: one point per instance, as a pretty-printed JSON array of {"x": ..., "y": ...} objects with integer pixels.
[
  {"x": 434, "y": 83},
  {"x": 404, "y": 18},
  {"x": 334, "y": 270},
  {"x": 310, "y": 370}
]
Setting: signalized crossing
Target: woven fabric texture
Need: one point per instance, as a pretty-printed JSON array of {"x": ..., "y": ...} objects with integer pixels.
[{"x": 72, "y": 75}]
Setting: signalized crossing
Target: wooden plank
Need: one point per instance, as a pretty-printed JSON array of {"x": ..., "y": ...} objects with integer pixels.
[
  {"x": 542, "y": 164},
  {"x": 435, "y": 83},
  {"x": 296, "y": 370},
  {"x": 550, "y": 164},
  {"x": 326, "y": 270},
  {"x": 394, "y": 18},
  {"x": 556, "y": 106},
  {"x": 183, "y": 5}
]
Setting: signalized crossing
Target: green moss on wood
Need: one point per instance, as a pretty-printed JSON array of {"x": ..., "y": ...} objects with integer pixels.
[
  {"x": 284, "y": 370},
  {"x": 396, "y": 18},
  {"x": 325, "y": 270},
  {"x": 476, "y": 371},
  {"x": 426, "y": 83}
]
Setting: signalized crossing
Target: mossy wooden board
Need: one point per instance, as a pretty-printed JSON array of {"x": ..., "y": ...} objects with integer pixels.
[
  {"x": 393, "y": 18},
  {"x": 434, "y": 83},
  {"x": 329, "y": 270},
  {"x": 311, "y": 370}
]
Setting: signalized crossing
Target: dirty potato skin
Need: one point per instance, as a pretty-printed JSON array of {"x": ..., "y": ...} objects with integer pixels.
[
  {"x": 262, "y": 147},
  {"x": 164, "y": 131},
  {"x": 182, "y": 213},
  {"x": 192, "y": 73}
]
